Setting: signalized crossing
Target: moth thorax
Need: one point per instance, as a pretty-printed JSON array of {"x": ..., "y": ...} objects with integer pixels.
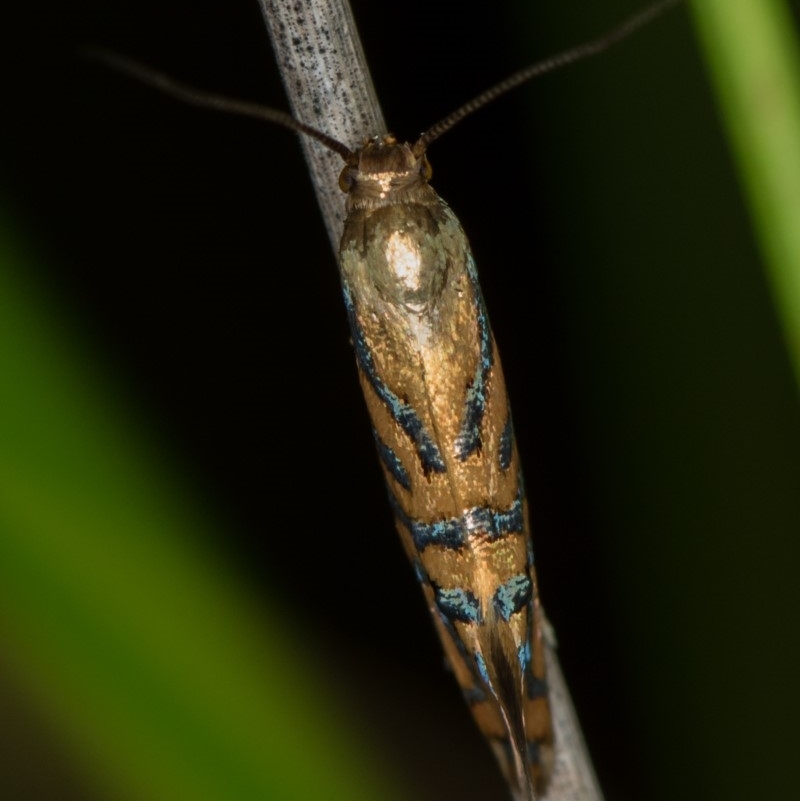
[{"x": 384, "y": 171}]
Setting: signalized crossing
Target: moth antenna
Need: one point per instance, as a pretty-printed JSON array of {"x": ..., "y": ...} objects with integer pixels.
[
  {"x": 198, "y": 97},
  {"x": 567, "y": 57}
]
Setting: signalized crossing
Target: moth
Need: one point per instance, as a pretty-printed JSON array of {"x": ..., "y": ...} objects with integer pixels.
[{"x": 434, "y": 388}]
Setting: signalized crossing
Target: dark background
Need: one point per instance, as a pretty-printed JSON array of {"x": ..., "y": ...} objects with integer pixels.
[{"x": 653, "y": 401}]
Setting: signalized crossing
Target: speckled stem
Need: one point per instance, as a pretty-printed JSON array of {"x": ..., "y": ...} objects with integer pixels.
[
  {"x": 326, "y": 78},
  {"x": 573, "y": 777}
]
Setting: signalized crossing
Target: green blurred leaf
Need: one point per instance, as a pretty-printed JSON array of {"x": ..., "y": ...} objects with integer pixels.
[
  {"x": 168, "y": 681},
  {"x": 752, "y": 52}
]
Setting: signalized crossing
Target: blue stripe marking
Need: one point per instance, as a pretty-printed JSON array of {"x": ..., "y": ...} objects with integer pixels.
[
  {"x": 513, "y": 596},
  {"x": 524, "y": 655},
  {"x": 510, "y": 520},
  {"x": 419, "y": 571},
  {"x": 459, "y": 605},
  {"x": 447, "y": 533},
  {"x": 474, "y": 695},
  {"x": 469, "y": 438},
  {"x": 481, "y": 663},
  {"x": 537, "y": 688},
  {"x": 402, "y": 413},
  {"x": 479, "y": 519},
  {"x": 477, "y": 692},
  {"x": 453, "y": 532},
  {"x": 506, "y": 444},
  {"x": 534, "y": 753},
  {"x": 392, "y": 462}
]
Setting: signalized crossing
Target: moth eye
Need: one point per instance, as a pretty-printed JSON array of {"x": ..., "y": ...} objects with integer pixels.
[
  {"x": 427, "y": 170},
  {"x": 346, "y": 179}
]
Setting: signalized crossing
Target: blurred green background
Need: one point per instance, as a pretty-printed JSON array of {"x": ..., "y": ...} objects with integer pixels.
[{"x": 201, "y": 592}]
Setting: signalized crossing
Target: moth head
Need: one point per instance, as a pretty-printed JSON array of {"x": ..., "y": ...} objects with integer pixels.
[{"x": 383, "y": 169}]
